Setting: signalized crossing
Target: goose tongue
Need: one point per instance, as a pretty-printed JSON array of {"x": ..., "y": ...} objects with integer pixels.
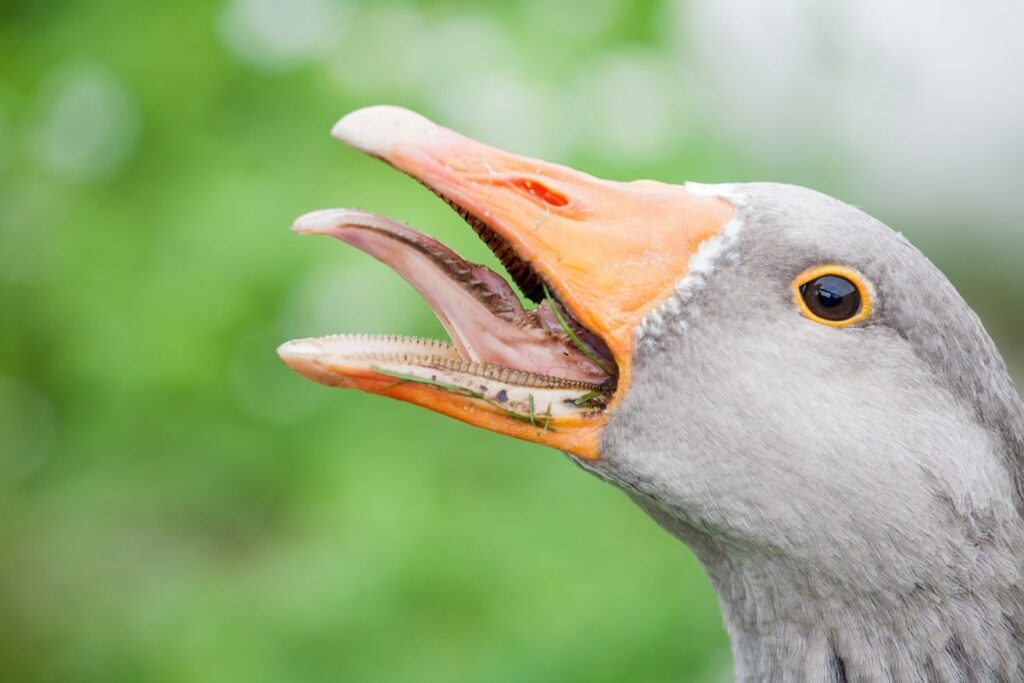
[{"x": 477, "y": 307}]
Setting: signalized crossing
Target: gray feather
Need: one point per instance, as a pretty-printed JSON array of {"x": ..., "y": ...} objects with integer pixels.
[{"x": 855, "y": 494}]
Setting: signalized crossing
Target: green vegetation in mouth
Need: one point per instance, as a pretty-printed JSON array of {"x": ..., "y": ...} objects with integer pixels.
[
  {"x": 533, "y": 416},
  {"x": 576, "y": 341},
  {"x": 587, "y": 398},
  {"x": 529, "y": 418}
]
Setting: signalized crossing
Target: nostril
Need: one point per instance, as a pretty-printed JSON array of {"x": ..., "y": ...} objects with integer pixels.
[{"x": 541, "y": 192}]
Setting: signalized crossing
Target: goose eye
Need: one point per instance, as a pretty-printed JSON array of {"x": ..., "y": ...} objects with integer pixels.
[{"x": 833, "y": 296}]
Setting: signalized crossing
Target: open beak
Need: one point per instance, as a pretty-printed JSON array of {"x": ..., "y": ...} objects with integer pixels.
[{"x": 596, "y": 256}]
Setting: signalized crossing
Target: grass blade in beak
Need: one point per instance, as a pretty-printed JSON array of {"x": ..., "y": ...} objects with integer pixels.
[{"x": 576, "y": 341}]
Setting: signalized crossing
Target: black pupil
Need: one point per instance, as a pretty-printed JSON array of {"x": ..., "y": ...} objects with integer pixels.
[{"x": 832, "y": 297}]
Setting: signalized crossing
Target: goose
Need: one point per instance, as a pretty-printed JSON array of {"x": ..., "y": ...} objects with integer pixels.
[{"x": 779, "y": 380}]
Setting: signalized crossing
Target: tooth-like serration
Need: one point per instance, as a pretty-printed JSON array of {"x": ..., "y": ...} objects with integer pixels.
[
  {"x": 520, "y": 272},
  {"x": 432, "y": 353}
]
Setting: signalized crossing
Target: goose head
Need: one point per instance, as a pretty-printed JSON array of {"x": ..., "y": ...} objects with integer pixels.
[{"x": 780, "y": 380}]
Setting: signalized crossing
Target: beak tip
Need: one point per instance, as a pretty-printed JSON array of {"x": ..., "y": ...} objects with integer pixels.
[
  {"x": 297, "y": 349},
  {"x": 375, "y": 130}
]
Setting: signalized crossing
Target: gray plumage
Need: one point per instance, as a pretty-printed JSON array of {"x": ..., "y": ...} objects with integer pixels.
[{"x": 854, "y": 494}]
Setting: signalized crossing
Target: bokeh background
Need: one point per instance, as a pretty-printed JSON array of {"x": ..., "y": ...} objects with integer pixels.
[{"x": 177, "y": 506}]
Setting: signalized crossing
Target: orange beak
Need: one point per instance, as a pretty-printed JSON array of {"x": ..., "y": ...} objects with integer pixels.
[{"x": 613, "y": 252}]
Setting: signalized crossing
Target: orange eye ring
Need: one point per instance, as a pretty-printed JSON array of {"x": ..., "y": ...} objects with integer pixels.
[{"x": 833, "y": 295}]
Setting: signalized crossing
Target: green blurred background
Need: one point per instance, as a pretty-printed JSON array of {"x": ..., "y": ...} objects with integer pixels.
[{"x": 175, "y": 505}]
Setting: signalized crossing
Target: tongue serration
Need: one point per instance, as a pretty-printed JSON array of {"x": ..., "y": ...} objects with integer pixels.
[{"x": 477, "y": 307}]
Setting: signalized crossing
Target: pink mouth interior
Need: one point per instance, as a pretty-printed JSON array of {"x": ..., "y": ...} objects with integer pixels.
[{"x": 477, "y": 307}]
